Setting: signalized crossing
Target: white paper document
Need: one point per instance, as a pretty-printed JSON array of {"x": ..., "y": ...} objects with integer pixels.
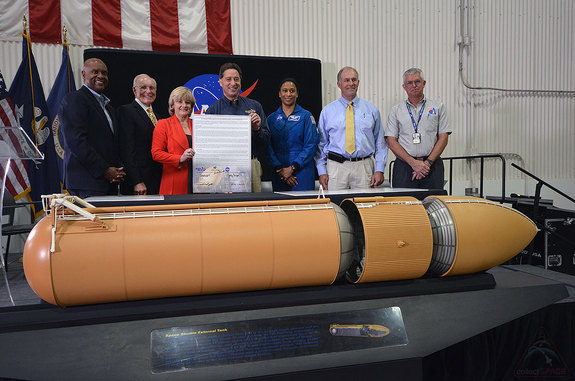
[{"x": 222, "y": 160}]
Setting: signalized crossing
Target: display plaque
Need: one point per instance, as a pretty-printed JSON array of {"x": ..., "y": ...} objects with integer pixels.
[
  {"x": 182, "y": 348},
  {"x": 222, "y": 160}
]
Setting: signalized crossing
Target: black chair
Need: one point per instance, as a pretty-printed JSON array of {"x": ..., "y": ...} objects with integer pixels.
[{"x": 8, "y": 227}]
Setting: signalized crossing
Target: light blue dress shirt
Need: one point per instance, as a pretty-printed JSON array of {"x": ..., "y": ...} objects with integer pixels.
[{"x": 369, "y": 138}]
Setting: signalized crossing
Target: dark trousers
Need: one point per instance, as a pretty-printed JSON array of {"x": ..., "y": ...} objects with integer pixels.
[{"x": 402, "y": 174}]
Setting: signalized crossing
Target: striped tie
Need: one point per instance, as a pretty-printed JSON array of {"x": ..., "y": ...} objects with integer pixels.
[
  {"x": 349, "y": 129},
  {"x": 151, "y": 115}
]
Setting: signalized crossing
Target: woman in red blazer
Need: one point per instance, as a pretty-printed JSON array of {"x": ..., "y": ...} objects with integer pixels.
[{"x": 172, "y": 143}]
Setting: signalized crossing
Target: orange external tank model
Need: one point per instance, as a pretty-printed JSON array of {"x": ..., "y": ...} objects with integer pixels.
[{"x": 81, "y": 254}]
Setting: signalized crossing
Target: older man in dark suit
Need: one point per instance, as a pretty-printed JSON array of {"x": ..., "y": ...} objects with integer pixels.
[
  {"x": 138, "y": 121},
  {"x": 92, "y": 165}
]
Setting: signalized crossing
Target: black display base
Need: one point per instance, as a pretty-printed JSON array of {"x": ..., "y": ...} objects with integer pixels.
[
  {"x": 42, "y": 316},
  {"x": 113, "y": 341}
]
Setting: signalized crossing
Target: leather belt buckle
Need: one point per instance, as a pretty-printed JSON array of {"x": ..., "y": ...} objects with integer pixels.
[{"x": 336, "y": 157}]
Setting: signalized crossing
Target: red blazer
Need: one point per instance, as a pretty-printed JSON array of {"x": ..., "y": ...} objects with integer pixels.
[{"x": 168, "y": 144}]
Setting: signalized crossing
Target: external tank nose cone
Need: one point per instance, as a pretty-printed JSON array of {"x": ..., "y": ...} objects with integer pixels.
[{"x": 473, "y": 234}]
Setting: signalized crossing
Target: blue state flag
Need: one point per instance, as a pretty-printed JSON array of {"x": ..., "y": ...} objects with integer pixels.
[
  {"x": 63, "y": 85},
  {"x": 31, "y": 109}
]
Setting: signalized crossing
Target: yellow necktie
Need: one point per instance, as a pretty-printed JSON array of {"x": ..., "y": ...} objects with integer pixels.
[
  {"x": 151, "y": 115},
  {"x": 349, "y": 129}
]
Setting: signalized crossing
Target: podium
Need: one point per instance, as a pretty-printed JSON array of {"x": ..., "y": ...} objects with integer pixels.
[{"x": 15, "y": 145}]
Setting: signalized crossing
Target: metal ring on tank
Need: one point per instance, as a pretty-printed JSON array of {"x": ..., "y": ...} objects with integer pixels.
[
  {"x": 346, "y": 240},
  {"x": 355, "y": 270},
  {"x": 444, "y": 236}
]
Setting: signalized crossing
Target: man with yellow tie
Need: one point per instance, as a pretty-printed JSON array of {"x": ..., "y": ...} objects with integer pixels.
[
  {"x": 137, "y": 122},
  {"x": 352, "y": 151}
]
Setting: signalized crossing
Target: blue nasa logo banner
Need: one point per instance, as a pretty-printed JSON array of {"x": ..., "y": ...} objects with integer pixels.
[
  {"x": 261, "y": 77},
  {"x": 206, "y": 89}
]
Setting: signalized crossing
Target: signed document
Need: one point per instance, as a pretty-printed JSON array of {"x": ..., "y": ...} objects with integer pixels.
[{"x": 222, "y": 162}]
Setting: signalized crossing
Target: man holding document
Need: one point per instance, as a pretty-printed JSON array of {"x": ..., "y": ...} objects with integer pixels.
[{"x": 233, "y": 104}]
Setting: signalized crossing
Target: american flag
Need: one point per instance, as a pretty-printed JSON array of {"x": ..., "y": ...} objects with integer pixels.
[
  {"x": 195, "y": 26},
  {"x": 17, "y": 182}
]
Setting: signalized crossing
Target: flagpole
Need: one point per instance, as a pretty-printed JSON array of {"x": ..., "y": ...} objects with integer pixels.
[
  {"x": 29, "y": 48},
  {"x": 65, "y": 44}
]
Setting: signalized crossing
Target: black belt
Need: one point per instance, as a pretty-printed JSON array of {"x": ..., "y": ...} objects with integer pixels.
[{"x": 340, "y": 158}]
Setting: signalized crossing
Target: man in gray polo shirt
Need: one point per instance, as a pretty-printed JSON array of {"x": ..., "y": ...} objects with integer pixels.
[{"x": 417, "y": 132}]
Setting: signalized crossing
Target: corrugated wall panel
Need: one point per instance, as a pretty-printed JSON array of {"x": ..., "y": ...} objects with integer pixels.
[{"x": 525, "y": 45}]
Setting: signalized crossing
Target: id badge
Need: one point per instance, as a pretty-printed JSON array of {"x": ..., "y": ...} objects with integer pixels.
[{"x": 416, "y": 137}]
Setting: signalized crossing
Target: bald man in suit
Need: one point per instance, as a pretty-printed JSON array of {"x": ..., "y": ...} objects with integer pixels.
[
  {"x": 92, "y": 165},
  {"x": 138, "y": 121}
]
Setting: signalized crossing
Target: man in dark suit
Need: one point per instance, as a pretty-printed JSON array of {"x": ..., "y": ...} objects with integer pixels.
[
  {"x": 138, "y": 120},
  {"x": 92, "y": 165}
]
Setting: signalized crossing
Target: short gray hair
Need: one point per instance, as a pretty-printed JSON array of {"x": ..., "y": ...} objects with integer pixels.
[
  {"x": 345, "y": 68},
  {"x": 140, "y": 76},
  {"x": 413, "y": 70}
]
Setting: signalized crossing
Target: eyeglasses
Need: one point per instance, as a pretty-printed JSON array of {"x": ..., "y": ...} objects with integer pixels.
[
  {"x": 417, "y": 82},
  {"x": 151, "y": 88}
]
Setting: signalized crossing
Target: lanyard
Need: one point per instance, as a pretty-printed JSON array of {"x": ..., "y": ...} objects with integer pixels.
[{"x": 415, "y": 125}]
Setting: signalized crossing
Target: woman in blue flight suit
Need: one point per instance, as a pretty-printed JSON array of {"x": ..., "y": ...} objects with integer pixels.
[{"x": 293, "y": 143}]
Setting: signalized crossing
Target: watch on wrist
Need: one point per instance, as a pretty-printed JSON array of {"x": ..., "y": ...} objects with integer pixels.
[
  {"x": 295, "y": 167},
  {"x": 429, "y": 161}
]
